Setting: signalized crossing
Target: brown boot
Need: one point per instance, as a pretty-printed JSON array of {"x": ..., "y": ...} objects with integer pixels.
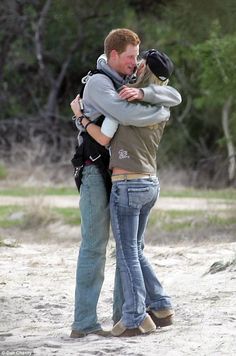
[
  {"x": 162, "y": 317},
  {"x": 146, "y": 327},
  {"x": 78, "y": 334}
]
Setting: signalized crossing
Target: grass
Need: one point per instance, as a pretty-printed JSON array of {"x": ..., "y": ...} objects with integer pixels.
[
  {"x": 70, "y": 216},
  {"x": 7, "y": 219},
  {"x": 173, "y": 221},
  {"x": 163, "y": 226},
  {"x": 36, "y": 216},
  {"x": 228, "y": 193},
  {"x": 36, "y": 191},
  {"x": 3, "y": 172}
]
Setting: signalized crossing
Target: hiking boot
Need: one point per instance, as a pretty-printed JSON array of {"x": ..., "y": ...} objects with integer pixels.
[
  {"x": 146, "y": 327},
  {"x": 162, "y": 317},
  {"x": 78, "y": 334}
]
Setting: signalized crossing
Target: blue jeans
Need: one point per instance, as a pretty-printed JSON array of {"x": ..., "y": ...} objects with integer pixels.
[
  {"x": 95, "y": 222},
  {"x": 131, "y": 202}
]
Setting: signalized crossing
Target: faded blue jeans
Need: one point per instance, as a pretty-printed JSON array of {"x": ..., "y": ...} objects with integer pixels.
[
  {"x": 95, "y": 222},
  {"x": 131, "y": 202}
]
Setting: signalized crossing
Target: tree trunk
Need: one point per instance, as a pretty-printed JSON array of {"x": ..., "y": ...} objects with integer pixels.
[
  {"x": 229, "y": 142},
  {"x": 51, "y": 105}
]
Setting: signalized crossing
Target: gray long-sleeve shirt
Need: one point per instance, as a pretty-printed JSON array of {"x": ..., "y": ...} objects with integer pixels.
[{"x": 101, "y": 97}]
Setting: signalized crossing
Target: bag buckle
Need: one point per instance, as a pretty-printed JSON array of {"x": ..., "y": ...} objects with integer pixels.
[{"x": 94, "y": 159}]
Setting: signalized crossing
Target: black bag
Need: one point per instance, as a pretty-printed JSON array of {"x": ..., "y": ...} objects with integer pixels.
[{"x": 91, "y": 150}]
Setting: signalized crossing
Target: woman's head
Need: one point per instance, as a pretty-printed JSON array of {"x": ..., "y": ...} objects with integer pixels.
[{"x": 155, "y": 67}]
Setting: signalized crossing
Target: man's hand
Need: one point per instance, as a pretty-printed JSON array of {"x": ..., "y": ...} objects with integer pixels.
[
  {"x": 75, "y": 106},
  {"x": 131, "y": 94}
]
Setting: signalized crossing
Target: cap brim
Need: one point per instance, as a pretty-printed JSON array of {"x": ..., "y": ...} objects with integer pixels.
[{"x": 144, "y": 54}]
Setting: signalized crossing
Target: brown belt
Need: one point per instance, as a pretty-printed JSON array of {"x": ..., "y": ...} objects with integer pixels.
[{"x": 129, "y": 176}]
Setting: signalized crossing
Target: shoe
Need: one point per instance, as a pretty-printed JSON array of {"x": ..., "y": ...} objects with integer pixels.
[
  {"x": 78, "y": 334},
  {"x": 162, "y": 317},
  {"x": 146, "y": 327}
]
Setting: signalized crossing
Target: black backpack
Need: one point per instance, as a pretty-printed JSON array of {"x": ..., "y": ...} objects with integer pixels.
[{"x": 91, "y": 150}]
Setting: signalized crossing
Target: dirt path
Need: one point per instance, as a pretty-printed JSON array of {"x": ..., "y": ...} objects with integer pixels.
[{"x": 163, "y": 203}]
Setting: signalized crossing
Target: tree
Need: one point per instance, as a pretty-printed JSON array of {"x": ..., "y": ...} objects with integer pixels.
[
  {"x": 217, "y": 58},
  {"x": 49, "y": 45},
  {"x": 196, "y": 129}
]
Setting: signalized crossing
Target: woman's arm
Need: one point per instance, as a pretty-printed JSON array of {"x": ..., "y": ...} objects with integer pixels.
[
  {"x": 153, "y": 94},
  {"x": 93, "y": 130}
]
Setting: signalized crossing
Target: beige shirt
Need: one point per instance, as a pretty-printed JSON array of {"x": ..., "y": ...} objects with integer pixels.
[{"x": 135, "y": 149}]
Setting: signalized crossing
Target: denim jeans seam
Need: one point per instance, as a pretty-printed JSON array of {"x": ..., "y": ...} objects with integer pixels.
[
  {"x": 118, "y": 236},
  {"x": 92, "y": 252},
  {"x": 158, "y": 296},
  {"x": 132, "y": 288}
]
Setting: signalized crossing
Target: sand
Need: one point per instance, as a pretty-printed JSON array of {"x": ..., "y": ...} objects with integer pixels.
[{"x": 37, "y": 295}]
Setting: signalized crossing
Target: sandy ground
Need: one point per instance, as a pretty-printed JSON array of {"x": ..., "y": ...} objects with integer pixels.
[
  {"x": 37, "y": 291},
  {"x": 37, "y": 295}
]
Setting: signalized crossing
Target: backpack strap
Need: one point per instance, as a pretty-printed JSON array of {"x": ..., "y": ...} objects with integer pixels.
[{"x": 90, "y": 73}]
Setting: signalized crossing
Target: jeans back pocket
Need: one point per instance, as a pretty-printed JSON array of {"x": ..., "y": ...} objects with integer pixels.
[{"x": 139, "y": 196}]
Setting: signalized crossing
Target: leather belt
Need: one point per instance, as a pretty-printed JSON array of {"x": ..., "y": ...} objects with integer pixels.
[{"x": 129, "y": 176}]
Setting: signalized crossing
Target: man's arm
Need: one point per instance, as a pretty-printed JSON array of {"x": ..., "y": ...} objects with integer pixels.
[
  {"x": 100, "y": 92},
  {"x": 165, "y": 95}
]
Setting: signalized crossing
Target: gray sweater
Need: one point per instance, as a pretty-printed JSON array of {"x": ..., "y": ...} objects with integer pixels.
[{"x": 101, "y": 97}]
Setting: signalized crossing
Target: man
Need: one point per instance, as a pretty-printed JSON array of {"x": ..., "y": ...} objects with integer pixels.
[{"x": 121, "y": 47}]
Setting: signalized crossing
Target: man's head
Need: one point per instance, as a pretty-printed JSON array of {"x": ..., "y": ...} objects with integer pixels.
[{"x": 121, "y": 47}]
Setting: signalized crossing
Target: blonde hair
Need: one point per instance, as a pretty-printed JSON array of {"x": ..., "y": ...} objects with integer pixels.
[
  {"x": 145, "y": 79},
  {"x": 118, "y": 39}
]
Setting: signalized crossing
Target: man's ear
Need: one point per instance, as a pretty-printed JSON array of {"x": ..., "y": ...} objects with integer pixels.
[{"x": 113, "y": 54}]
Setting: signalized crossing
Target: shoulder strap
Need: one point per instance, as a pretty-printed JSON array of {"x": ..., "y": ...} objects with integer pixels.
[{"x": 90, "y": 73}]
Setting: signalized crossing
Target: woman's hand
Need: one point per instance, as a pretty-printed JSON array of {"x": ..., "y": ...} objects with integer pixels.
[
  {"x": 75, "y": 106},
  {"x": 130, "y": 94}
]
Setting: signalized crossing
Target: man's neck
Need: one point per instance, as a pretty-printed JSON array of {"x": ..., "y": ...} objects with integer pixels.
[
  {"x": 114, "y": 68},
  {"x": 111, "y": 71}
]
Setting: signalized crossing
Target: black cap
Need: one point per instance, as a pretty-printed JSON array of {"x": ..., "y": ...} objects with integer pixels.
[{"x": 159, "y": 63}]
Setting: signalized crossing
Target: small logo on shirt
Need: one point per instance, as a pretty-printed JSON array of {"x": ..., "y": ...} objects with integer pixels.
[{"x": 123, "y": 154}]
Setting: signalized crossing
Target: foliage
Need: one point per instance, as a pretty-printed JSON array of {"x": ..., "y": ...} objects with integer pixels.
[
  {"x": 48, "y": 46},
  {"x": 48, "y": 36},
  {"x": 217, "y": 58}
]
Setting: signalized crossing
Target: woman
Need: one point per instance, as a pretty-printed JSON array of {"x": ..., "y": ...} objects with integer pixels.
[{"x": 135, "y": 189}]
